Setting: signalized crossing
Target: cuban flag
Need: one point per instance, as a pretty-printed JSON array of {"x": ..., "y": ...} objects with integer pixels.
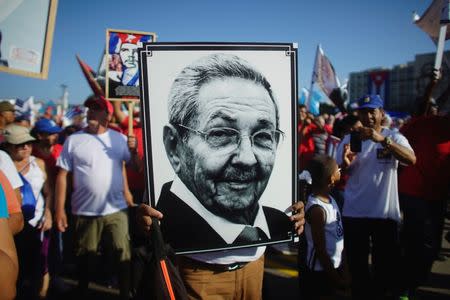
[
  {"x": 72, "y": 113},
  {"x": 324, "y": 81},
  {"x": 25, "y": 109},
  {"x": 379, "y": 84},
  {"x": 116, "y": 39}
]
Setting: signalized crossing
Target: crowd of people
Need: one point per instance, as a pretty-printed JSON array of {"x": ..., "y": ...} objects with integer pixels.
[
  {"x": 390, "y": 180},
  {"x": 377, "y": 188}
]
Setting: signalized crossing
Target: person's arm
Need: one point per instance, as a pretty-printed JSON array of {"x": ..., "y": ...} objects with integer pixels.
[
  {"x": 305, "y": 127},
  {"x": 318, "y": 221},
  {"x": 135, "y": 162},
  {"x": 18, "y": 195},
  {"x": 126, "y": 188},
  {"x": 47, "y": 192},
  {"x": 60, "y": 200},
  {"x": 8, "y": 262},
  {"x": 424, "y": 105},
  {"x": 401, "y": 153},
  {"x": 15, "y": 219},
  {"x": 16, "y": 223},
  {"x": 118, "y": 113}
]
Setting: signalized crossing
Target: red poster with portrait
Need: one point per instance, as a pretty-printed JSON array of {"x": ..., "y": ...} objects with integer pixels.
[{"x": 122, "y": 68}]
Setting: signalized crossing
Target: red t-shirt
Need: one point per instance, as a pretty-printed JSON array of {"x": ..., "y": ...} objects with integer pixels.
[
  {"x": 429, "y": 178},
  {"x": 136, "y": 180}
]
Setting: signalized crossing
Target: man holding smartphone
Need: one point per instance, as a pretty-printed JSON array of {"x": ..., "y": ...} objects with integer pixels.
[{"x": 371, "y": 209}]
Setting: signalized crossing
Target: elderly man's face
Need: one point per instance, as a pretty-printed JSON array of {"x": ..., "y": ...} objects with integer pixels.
[
  {"x": 228, "y": 178},
  {"x": 371, "y": 117}
]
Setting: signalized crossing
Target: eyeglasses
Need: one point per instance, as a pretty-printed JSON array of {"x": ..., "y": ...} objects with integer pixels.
[
  {"x": 230, "y": 138},
  {"x": 21, "y": 146}
]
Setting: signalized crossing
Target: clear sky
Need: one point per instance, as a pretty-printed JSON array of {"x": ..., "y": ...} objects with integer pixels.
[{"x": 355, "y": 35}]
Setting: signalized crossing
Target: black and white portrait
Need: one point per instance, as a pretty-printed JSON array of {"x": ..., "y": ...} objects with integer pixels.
[{"x": 220, "y": 142}]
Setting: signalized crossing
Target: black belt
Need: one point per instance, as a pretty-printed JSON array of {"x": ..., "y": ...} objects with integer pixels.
[{"x": 183, "y": 260}]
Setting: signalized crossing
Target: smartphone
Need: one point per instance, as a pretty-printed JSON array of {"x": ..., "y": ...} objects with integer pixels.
[{"x": 355, "y": 142}]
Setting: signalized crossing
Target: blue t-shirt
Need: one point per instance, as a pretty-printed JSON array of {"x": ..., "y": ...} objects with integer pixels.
[{"x": 3, "y": 205}]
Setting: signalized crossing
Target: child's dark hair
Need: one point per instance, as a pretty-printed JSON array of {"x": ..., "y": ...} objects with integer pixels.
[{"x": 321, "y": 167}]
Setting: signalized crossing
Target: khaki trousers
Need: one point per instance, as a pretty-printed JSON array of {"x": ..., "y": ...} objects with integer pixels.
[{"x": 211, "y": 282}]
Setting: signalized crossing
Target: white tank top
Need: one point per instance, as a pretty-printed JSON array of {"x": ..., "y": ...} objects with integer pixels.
[
  {"x": 334, "y": 234},
  {"x": 36, "y": 178}
]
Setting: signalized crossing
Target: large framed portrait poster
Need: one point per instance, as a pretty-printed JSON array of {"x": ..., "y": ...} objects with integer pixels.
[
  {"x": 122, "y": 69},
  {"x": 219, "y": 124},
  {"x": 26, "y": 36}
]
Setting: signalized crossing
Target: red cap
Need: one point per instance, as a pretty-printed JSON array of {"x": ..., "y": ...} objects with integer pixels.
[{"x": 96, "y": 102}]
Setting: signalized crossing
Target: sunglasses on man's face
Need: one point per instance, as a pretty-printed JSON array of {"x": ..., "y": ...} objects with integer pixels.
[{"x": 23, "y": 145}]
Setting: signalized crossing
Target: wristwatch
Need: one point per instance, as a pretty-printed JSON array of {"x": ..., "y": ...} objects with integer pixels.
[{"x": 386, "y": 142}]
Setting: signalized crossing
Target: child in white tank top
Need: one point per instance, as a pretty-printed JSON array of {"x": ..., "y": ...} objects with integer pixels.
[{"x": 327, "y": 274}]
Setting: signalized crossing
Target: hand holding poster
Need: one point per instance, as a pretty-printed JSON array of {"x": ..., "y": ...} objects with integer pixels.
[
  {"x": 219, "y": 132},
  {"x": 122, "y": 72}
]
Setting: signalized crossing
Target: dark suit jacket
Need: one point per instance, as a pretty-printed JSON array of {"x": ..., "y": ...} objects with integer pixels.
[{"x": 185, "y": 230}]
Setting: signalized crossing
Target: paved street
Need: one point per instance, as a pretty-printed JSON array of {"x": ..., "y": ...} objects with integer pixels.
[{"x": 280, "y": 279}]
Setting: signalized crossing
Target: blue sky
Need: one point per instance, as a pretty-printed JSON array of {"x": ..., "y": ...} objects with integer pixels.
[{"x": 355, "y": 35}]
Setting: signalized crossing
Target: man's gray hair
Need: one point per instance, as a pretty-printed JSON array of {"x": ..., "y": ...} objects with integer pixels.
[{"x": 183, "y": 97}]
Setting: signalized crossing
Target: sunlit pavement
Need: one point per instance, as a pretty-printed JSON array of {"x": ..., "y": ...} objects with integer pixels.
[{"x": 281, "y": 278}]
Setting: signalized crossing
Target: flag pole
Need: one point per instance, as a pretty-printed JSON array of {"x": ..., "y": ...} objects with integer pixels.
[
  {"x": 440, "y": 47},
  {"x": 130, "y": 118}
]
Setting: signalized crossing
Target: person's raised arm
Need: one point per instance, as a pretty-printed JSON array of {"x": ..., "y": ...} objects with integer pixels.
[
  {"x": 426, "y": 102},
  {"x": 400, "y": 152},
  {"x": 118, "y": 113},
  {"x": 60, "y": 200},
  {"x": 135, "y": 162}
]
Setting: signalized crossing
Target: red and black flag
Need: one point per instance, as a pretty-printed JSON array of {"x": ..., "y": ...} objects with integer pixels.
[{"x": 90, "y": 77}]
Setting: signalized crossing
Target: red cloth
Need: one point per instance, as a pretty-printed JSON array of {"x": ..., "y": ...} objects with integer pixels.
[
  {"x": 49, "y": 159},
  {"x": 306, "y": 146},
  {"x": 429, "y": 178},
  {"x": 136, "y": 180}
]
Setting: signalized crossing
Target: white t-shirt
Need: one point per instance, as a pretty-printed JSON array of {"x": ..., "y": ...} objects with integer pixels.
[
  {"x": 334, "y": 234},
  {"x": 96, "y": 163},
  {"x": 372, "y": 189},
  {"x": 9, "y": 169},
  {"x": 36, "y": 178},
  {"x": 228, "y": 230}
]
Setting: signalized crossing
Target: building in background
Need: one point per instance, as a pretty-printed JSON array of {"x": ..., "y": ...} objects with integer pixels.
[{"x": 400, "y": 85}]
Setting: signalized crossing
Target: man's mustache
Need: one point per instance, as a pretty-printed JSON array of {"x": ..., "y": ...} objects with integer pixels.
[{"x": 240, "y": 174}]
